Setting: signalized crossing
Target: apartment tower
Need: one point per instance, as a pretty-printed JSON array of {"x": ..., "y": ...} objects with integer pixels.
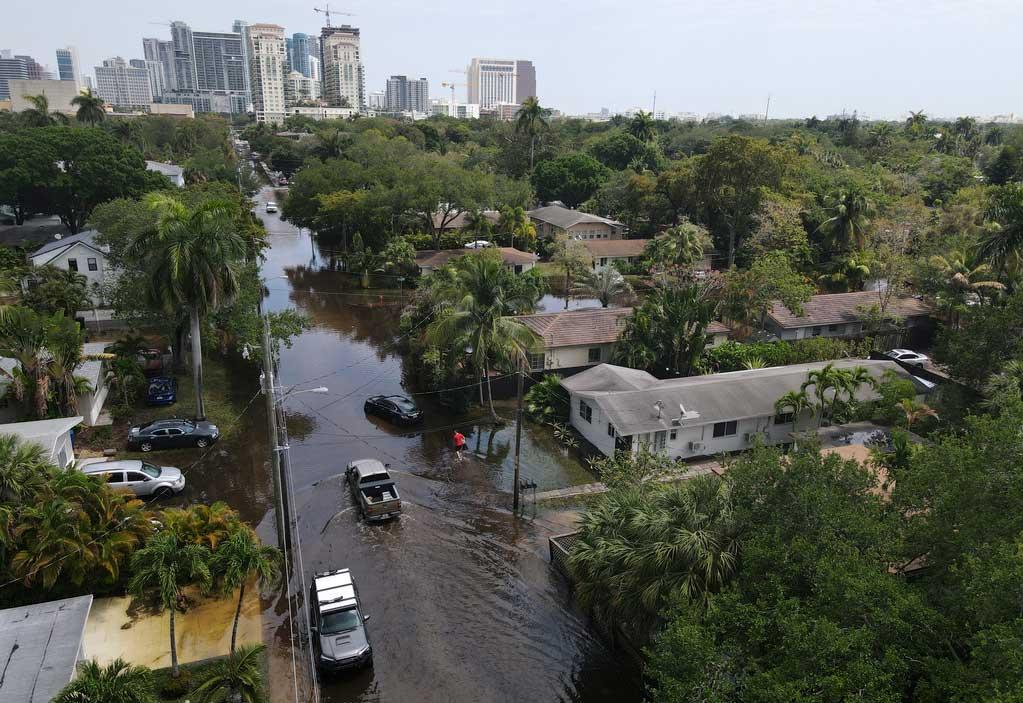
[
  {"x": 268, "y": 70},
  {"x": 68, "y": 68},
  {"x": 494, "y": 81},
  {"x": 344, "y": 76}
]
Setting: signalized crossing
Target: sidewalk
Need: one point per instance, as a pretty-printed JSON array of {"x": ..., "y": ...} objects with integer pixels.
[{"x": 203, "y": 632}]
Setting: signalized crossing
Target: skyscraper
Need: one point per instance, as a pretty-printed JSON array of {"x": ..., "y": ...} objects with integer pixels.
[
  {"x": 241, "y": 28},
  {"x": 184, "y": 66},
  {"x": 344, "y": 76},
  {"x": 301, "y": 48},
  {"x": 204, "y": 69},
  {"x": 68, "y": 68},
  {"x": 122, "y": 84},
  {"x": 268, "y": 63},
  {"x": 493, "y": 81},
  {"x": 11, "y": 67},
  {"x": 159, "y": 55},
  {"x": 403, "y": 95}
]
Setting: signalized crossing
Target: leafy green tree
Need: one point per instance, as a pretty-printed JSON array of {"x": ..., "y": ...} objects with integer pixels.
[
  {"x": 641, "y": 547},
  {"x": 23, "y": 338},
  {"x": 515, "y": 223},
  {"x": 57, "y": 290},
  {"x": 28, "y": 166},
  {"x": 194, "y": 257},
  {"x": 476, "y": 319},
  {"x": 240, "y": 558},
  {"x": 733, "y": 177},
  {"x": 547, "y": 401},
  {"x": 1003, "y": 238},
  {"x": 90, "y": 108},
  {"x": 678, "y": 249},
  {"x": 618, "y": 150},
  {"x": 667, "y": 334},
  {"x": 571, "y": 178},
  {"x": 847, "y": 274},
  {"x": 165, "y": 566},
  {"x": 748, "y": 295},
  {"x": 849, "y": 209},
  {"x": 1007, "y": 166},
  {"x": 531, "y": 119},
  {"x": 236, "y": 679},
  {"x": 605, "y": 285},
  {"x": 573, "y": 258},
  {"x": 986, "y": 338},
  {"x": 64, "y": 339},
  {"x": 779, "y": 227},
  {"x": 641, "y": 126},
  {"x": 117, "y": 682}
]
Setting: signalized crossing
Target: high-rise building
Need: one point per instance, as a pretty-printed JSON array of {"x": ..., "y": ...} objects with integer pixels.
[
  {"x": 155, "y": 72},
  {"x": 302, "y": 89},
  {"x": 36, "y": 71},
  {"x": 344, "y": 76},
  {"x": 493, "y": 81},
  {"x": 377, "y": 100},
  {"x": 11, "y": 68},
  {"x": 184, "y": 66},
  {"x": 122, "y": 84},
  {"x": 159, "y": 55},
  {"x": 314, "y": 69},
  {"x": 403, "y": 95},
  {"x": 301, "y": 47},
  {"x": 207, "y": 69},
  {"x": 268, "y": 65},
  {"x": 68, "y": 68},
  {"x": 241, "y": 28}
]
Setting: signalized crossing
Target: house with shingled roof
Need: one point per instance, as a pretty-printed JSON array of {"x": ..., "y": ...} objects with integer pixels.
[
  {"x": 844, "y": 315},
  {"x": 555, "y": 219},
  {"x": 429, "y": 260}
]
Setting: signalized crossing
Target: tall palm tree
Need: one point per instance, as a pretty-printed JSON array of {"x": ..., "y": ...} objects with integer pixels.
[
  {"x": 240, "y": 558},
  {"x": 641, "y": 546},
  {"x": 605, "y": 285},
  {"x": 823, "y": 380},
  {"x": 90, "y": 108},
  {"x": 516, "y": 224},
  {"x": 64, "y": 345},
  {"x": 236, "y": 679},
  {"x": 641, "y": 126},
  {"x": 39, "y": 114},
  {"x": 680, "y": 247},
  {"x": 794, "y": 402},
  {"x": 117, "y": 682},
  {"x": 963, "y": 280},
  {"x": 194, "y": 256},
  {"x": 531, "y": 119},
  {"x": 477, "y": 318},
  {"x": 916, "y": 123},
  {"x": 479, "y": 224},
  {"x": 23, "y": 338},
  {"x": 165, "y": 565},
  {"x": 850, "y": 217},
  {"x": 849, "y": 275},
  {"x": 23, "y": 465}
]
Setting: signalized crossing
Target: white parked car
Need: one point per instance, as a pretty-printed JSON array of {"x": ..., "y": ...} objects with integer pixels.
[
  {"x": 908, "y": 356},
  {"x": 136, "y": 476},
  {"x": 271, "y": 206},
  {"x": 478, "y": 244}
]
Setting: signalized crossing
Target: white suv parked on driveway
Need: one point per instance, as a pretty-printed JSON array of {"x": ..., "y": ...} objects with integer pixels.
[{"x": 140, "y": 477}]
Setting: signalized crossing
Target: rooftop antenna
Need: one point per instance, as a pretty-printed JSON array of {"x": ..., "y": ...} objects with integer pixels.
[
  {"x": 653, "y": 108},
  {"x": 767, "y": 110}
]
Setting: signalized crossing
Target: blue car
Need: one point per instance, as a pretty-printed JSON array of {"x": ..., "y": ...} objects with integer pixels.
[{"x": 162, "y": 391}]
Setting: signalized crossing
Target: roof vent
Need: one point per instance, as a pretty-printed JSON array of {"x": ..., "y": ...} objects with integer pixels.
[{"x": 658, "y": 406}]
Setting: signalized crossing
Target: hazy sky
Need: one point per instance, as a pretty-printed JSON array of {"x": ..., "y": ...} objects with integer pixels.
[{"x": 880, "y": 57}]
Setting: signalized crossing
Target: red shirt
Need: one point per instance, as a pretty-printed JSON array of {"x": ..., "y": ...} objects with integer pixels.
[{"x": 459, "y": 440}]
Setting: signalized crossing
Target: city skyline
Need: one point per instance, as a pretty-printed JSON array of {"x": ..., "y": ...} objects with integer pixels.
[{"x": 724, "y": 57}]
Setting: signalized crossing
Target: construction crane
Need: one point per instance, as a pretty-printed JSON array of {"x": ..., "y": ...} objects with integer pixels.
[
  {"x": 451, "y": 105},
  {"x": 328, "y": 12}
]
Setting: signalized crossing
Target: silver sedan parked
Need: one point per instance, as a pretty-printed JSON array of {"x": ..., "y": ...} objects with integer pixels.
[{"x": 137, "y": 476}]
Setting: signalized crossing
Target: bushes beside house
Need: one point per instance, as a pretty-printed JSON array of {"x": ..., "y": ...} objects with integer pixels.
[{"x": 733, "y": 356}]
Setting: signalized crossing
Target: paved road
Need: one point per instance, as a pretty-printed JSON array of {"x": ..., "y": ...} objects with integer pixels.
[{"x": 464, "y": 606}]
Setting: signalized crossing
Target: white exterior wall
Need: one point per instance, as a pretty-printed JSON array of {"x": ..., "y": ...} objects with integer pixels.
[
  {"x": 90, "y": 405},
  {"x": 594, "y": 230},
  {"x": 572, "y": 357},
  {"x": 595, "y": 431},
  {"x": 80, "y": 253}
]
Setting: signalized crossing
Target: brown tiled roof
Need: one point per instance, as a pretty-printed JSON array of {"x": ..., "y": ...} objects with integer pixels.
[
  {"x": 434, "y": 258},
  {"x": 571, "y": 328},
  {"x": 614, "y": 247},
  {"x": 837, "y": 308},
  {"x": 461, "y": 220}
]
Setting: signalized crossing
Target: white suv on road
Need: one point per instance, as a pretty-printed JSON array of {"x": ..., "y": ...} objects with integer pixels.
[{"x": 140, "y": 477}]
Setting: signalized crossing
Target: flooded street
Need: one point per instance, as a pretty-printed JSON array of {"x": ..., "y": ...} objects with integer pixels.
[{"x": 463, "y": 604}]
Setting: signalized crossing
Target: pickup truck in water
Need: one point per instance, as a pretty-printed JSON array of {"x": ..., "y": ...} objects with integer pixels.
[{"x": 373, "y": 489}]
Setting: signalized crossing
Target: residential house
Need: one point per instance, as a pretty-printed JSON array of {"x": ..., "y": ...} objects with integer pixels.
[
  {"x": 429, "y": 260},
  {"x": 90, "y": 404},
  {"x": 76, "y": 252},
  {"x": 611, "y": 252},
  {"x": 843, "y": 315},
  {"x": 556, "y": 219},
  {"x": 54, "y": 436},
  {"x": 175, "y": 174},
  {"x": 462, "y": 219},
  {"x": 616, "y": 408},
  {"x": 577, "y": 339},
  {"x": 41, "y": 646}
]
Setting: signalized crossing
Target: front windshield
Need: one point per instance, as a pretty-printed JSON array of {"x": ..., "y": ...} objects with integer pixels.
[
  {"x": 340, "y": 621},
  {"x": 406, "y": 405},
  {"x": 150, "y": 470}
]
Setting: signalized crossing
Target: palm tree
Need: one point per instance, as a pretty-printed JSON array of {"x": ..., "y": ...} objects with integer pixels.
[
  {"x": 64, "y": 345},
  {"x": 479, "y": 224},
  {"x": 165, "y": 565},
  {"x": 851, "y": 380},
  {"x": 794, "y": 402},
  {"x": 23, "y": 338},
  {"x": 1003, "y": 233},
  {"x": 681, "y": 247},
  {"x": 641, "y": 546},
  {"x": 117, "y": 682},
  {"x": 236, "y": 679},
  {"x": 477, "y": 319},
  {"x": 90, "y": 108},
  {"x": 915, "y": 411},
  {"x": 849, "y": 275},
  {"x": 205, "y": 525},
  {"x": 641, "y": 126},
  {"x": 823, "y": 380},
  {"x": 194, "y": 263},
  {"x": 39, "y": 114},
  {"x": 531, "y": 119},
  {"x": 605, "y": 285},
  {"x": 516, "y": 223},
  {"x": 850, "y": 211},
  {"x": 240, "y": 558},
  {"x": 916, "y": 122},
  {"x": 23, "y": 465},
  {"x": 963, "y": 280}
]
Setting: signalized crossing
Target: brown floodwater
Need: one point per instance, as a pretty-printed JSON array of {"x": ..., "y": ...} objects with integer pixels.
[{"x": 464, "y": 605}]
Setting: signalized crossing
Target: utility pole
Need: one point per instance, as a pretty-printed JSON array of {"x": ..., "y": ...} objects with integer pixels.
[
  {"x": 271, "y": 419},
  {"x": 518, "y": 440},
  {"x": 767, "y": 110}
]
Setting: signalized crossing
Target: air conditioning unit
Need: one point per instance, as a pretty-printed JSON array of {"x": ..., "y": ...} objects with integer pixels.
[
  {"x": 751, "y": 437},
  {"x": 696, "y": 446}
]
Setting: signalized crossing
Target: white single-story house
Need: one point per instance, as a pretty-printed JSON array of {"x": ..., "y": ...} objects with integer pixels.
[
  {"x": 54, "y": 436},
  {"x": 174, "y": 173},
  {"x": 555, "y": 219},
  {"x": 616, "y": 408},
  {"x": 429, "y": 260},
  {"x": 41, "y": 646},
  {"x": 575, "y": 339},
  {"x": 76, "y": 252},
  {"x": 608, "y": 252},
  {"x": 841, "y": 315}
]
